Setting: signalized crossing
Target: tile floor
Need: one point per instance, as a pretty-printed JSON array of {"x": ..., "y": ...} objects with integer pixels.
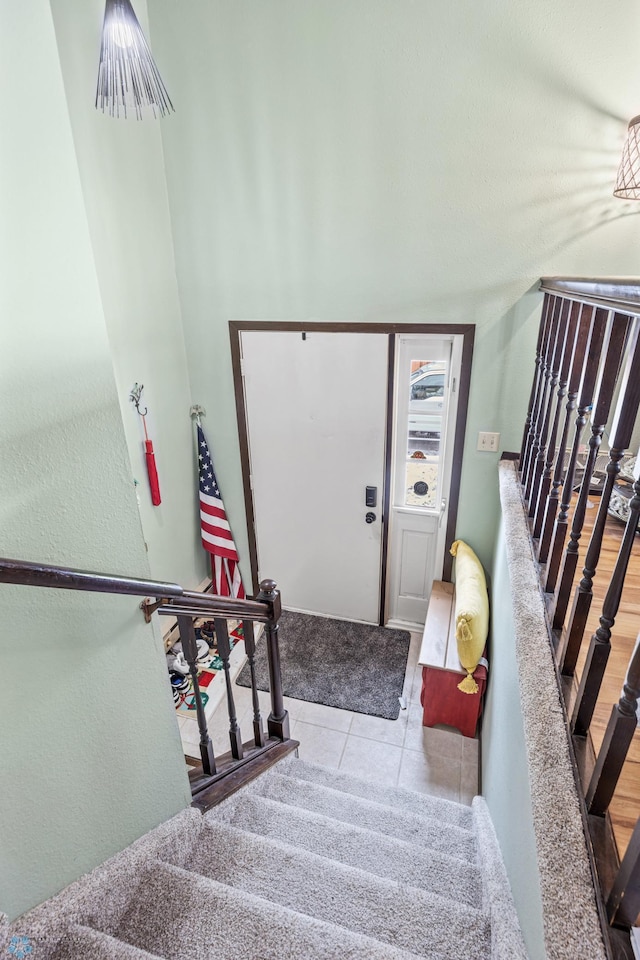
[{"x": 401, "y": 752}]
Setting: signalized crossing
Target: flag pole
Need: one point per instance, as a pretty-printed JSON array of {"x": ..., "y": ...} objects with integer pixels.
[{"x": 217, "y": 538}]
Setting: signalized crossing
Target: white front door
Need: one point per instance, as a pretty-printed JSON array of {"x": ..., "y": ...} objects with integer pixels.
[{"x": 316, "y": 412}]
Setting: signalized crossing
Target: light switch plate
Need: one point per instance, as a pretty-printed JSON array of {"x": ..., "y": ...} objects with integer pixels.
[{"x": 488, "y": 442}]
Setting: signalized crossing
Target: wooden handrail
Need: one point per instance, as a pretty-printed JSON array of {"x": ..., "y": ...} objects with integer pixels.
[
  {"x": 604, "y": 372},
  {"x": 168, "y": 595},
  {"x": 615, "y": 293},
  {"x": 209, "y": 785},
  {"x": 67, "y": 578}
]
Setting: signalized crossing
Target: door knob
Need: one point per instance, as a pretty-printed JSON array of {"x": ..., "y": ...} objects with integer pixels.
[{"x": 370, "y": 517}]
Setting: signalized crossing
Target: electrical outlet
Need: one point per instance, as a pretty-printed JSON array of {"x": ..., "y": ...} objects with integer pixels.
[{"x": 488, "y": 442}]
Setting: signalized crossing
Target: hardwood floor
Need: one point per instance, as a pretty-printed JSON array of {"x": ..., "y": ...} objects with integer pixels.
[{"x": 625, "y": 807}]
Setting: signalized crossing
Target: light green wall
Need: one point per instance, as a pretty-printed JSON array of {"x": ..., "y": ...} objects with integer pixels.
[
  {"x": 381, "y": 160},
  {"x": 122, "y": 174},
  {"x": 87, "y": 764},
  {"x": 505, "y": 771}
]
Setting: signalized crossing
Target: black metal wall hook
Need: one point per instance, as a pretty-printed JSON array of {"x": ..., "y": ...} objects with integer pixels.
[{"x": 136, "y": 397}]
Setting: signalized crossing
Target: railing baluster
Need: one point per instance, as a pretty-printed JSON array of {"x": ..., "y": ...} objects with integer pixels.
[
  {"x": 569, "y": 649},
  {"x": 597, "y": 320},
  {"x": 621, "y": 432},
  {"x": 538, "y": 467},
  {"x": 617, "y": 740},
  {"x": 571, "y": 310},
  {"x": 623, "y": 903},
  {"x": 600, "y": 645},
  {"x": 527, "y": 436},
  {"x": 250, "y": 647},
  {"x": 577, "y": 364},
  {"x": 544, "y": 394},
  {"x": 224, "y": 650},
  {"x": 615, "y": 340},
  {"x": 278, "y": 721},
  {"x": 190, "y": 650}
]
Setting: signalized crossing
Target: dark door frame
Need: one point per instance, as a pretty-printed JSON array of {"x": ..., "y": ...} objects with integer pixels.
[{"x": 466, "y": 330}]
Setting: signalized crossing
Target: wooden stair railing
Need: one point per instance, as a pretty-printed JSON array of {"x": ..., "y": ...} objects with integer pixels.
[
  {"x": 538, "y": 455},
  {"x": 585, "y": 315},
  {"x": 562, "y": 382},
  {"x": 612, "y": 350},
  {"x": 620, "y": 434},
  {"x": 597, "y": 319},
  {"x": 588, "y": 350},
  {"x": 215, "y": 778}
]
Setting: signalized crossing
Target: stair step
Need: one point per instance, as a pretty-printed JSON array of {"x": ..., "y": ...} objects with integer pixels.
[
  {"x": 178, "y": 914},
  {"x": 327, "y": 890},
  {"x": 418, "y": 830},
  {"x": 356, "y": 846},
  {"x": 421, "y": 804},
  {"x": 81, "y": 942}
]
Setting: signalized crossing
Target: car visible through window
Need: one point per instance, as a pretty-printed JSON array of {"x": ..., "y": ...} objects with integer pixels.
[{"x": 426, "y": 396}]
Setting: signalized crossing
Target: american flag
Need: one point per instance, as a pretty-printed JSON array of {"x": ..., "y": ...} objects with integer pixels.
[{"x": 217, "y": 538}]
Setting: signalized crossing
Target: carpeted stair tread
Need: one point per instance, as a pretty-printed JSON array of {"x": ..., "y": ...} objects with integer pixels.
[
  {"x": 99, "y": 898},
  {"x": 82, "y": 943},
  {"x": 422, "y": 804},
  {"x": 421, "y": 831},
  {"x": 348, "y": 896},
  {"x": 5, "y": 933},
  {"x": 176, "y": 914},
  {"x": 348, "y": 843},
  {"x": 301, "y": 863}
]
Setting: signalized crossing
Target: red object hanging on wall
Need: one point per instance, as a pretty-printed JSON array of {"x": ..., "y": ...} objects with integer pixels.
[{"x": 154, "y": 483}]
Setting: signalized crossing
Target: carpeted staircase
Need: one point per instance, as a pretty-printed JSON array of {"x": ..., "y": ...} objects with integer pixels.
[{"x": 305, "y": 862}]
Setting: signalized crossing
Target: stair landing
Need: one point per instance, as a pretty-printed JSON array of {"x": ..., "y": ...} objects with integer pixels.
[{"x": 438, "y": 760}]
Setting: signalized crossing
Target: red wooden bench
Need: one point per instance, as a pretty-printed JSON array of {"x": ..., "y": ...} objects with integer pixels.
[{"x": 441, "y": 700}]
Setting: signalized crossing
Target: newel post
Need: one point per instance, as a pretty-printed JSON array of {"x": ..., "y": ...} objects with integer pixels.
[{"x": 278, "y": 720}]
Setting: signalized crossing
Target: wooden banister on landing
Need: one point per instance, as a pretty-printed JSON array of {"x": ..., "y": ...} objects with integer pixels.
[
  {"x": 587, "y": 367},
  {"x": 242, "y": 763},
  {"x": 31, "y": 574},
  {"x": 614, "y": 293},
  {"x": 67, "y": 578}
]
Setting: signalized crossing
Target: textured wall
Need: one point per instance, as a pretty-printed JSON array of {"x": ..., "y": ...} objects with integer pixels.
[
  {"x": 505, "y": 771},
  {"x": 86, "y": 764},
  {"x": 527, "y": 773},
  {"x": 122, "y": 174},
  {"x": 382, "y": 160}
]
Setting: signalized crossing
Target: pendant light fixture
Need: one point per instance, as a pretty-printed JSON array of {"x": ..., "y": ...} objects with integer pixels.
[
  {"x": 628, "y": 182},
  {"x": 128, "y": 79}
]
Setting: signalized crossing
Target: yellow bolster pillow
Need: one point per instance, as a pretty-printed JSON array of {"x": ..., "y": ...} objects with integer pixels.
[{"x": 472, "y": 612}]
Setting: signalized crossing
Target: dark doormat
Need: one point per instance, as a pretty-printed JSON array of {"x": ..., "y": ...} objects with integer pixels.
[{"x": 348, "y": 665}]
